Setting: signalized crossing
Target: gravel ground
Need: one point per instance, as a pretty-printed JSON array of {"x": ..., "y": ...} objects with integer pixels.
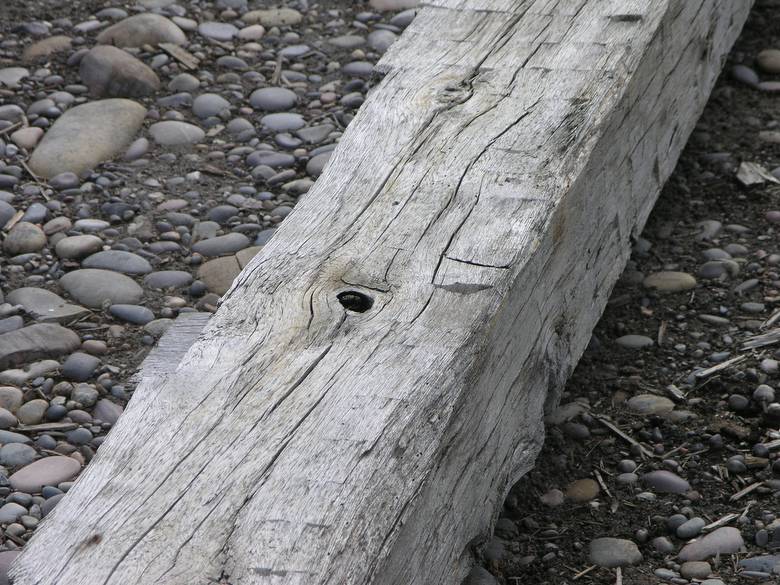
[{"x": 147, "y": 151}]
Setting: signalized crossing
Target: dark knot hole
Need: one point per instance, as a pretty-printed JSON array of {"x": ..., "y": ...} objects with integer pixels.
[{"x": 355, "y": 301}]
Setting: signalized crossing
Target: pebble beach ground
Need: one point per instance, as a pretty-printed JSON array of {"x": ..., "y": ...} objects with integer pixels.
[{"x": 149, "y": 149}]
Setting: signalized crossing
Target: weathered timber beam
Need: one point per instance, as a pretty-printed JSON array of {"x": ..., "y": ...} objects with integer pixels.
[{"x": 482, "y": 202}]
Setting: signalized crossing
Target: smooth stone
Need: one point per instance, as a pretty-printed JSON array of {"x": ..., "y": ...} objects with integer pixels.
[
  {"x": 46, "y": 47},
  {"x": 381, "y": 40},
  {"x": 107, "y": 411},
  {"x": 317, "y": 163},
  {"x": 111, "y": 72},
  {"x": 45, "y": 305},
  {"x": 209, "y": 104},
  {"x": 552, "y": 498},
  {"x": 77, "y": 247},
  {"x": 184, "y": 82},
  {"x": 725, "y": 540},
  {"x": 219, "y": 274},
  {"x": 7, "y": 419},
  {"x": 666, "y": 482},
  {"x": 174, "y": 133},
  {"x": 663, "y": 545},
  {"x": 87, "y": 135},
  {"x": 763, "y": 563},
  {"x": 11, "y": 511},
  {"x": 582, "y": 490},
  {"x": 221, "y": 245},
  {"x": 32, "y": 412},
  {"x": 614, "y": 552},
  {"x": 283, "y": 122},
  {"x": 85, "y": 395},
  {"x": 273, "y": 17},
  {"x": 10, "y": 398},
  {"x": 24, "y": 238},
  {"x": 16, "y": 455},
  {"x": 650, "y": 404},
  {"x": 93, "y": 287},
  {"x": 690, "y": 528},
  {"x": 245, "y": 256},
  {"x": 165, "y": 279},
  {"x": 158, "y": 327},
  {"x": 253, "y": 32},
  {"x": 634, "y": 341},
  {"x": 47, "y": 471},
  {"x": 118, "y": 261},
  {"x": 142, "y": 29},
  {"x": 11, "y": 76},
  {"x": 9, "y": 437},
  {"x": 42, "y": 340},
  {"x": 273, "y": 99},
  {"x": 6, "y": 558},
  {"x": 7, "y": 211},
  {"x": 768, "y": 61},
  {"x": 80, "y": 366},
  {"x": 695, "y": 570},
  {"x": 27, "y": 138},
  {"x": 670, "y": 281},
  {"x": 134, "y": 314},
  {"x": 220, "y": 31}
]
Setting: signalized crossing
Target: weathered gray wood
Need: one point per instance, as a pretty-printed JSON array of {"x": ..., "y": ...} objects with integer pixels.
[
  {"x": 484, "y": 198},
  {"x": 170, "y": 349}
]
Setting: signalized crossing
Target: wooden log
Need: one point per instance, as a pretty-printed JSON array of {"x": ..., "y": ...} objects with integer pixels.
[{"x": 376, "y": 378}]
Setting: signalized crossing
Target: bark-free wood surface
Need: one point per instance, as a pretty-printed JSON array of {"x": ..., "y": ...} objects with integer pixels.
[{"x": 484, "y": 198}]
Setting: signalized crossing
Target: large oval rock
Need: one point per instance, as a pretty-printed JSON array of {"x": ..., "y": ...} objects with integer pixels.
[
  {"x": 93, "y": 287},
  {"x": 87, "y": 135},
  {"x": 24, "y": 238},
  {"x": 142, "y": 29},
  {"x": 722, "y": 541},
  {"x": 111, "y": 72},
  {"x": 46, "y": 471},
  {"x": 45, "y": 305},
  {"x": 36, "y": 341},
  {"x": 118, "y": 261},
  {"x": 665, "y": 482}
]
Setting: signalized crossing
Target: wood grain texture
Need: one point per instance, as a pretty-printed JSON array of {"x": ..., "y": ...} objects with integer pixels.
[{"x": 484, "y": 197}]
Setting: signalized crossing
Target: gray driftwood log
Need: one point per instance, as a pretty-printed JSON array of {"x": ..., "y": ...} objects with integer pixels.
[{"x": 482, "y": 203}]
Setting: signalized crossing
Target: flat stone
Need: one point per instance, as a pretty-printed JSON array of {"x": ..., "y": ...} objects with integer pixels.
[
  {"x": 46, "y": 47},
  {"x": 46, "y": 471},
  {"x": 42, "y": 340},
  {"x": 80, "y": 366},
  {"x": 723, "y": 541},
  {"x": 209, "y": 104},
  {"x": 87, "y": 135},
  {"x": 670, "y": 281},
  {"x": 135, "y": 314},
  {"x": 283, "y": 122},
  {"x": 111, "y": 72},
  {"x": 666, "y": 482},
  {"x": 165, "y": 279},
  {"x": 11, "y": 76},
  {"x": 77, "y": 247},
  {"x": 220, "y": 31},
  {"x": 273, "y": 99},
  {"x": 118, "y": 261},
  {"x": 219, "y": 274},
  {"x": 24, "y": 238},
  {"x": 221, "y": 245},
  {"x": 614, "y": 552},
  {"x": 650, "y": 404},
  {"x": 634, "y": 341},
  {"x": 142, "y": 29},
  {"x": 93, "y": 287},
  {"x": 764, "y": 563},
  {"x": 582, "y": 490},
  {"x": 695, "y": 570},
  {"x": 273, "y": 17},
  {"x": 690, "y": 528},
  {"x": 174, "y": 133},
  {"x": 45, "y": 305},
  {"x": 107, "y": 411},
  {"x": 16, "y": 455},
  {"x": 11, "y": 511}
]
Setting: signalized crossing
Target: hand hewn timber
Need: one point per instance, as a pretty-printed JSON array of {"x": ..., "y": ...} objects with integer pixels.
[{"x": 482, "y": 203}]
